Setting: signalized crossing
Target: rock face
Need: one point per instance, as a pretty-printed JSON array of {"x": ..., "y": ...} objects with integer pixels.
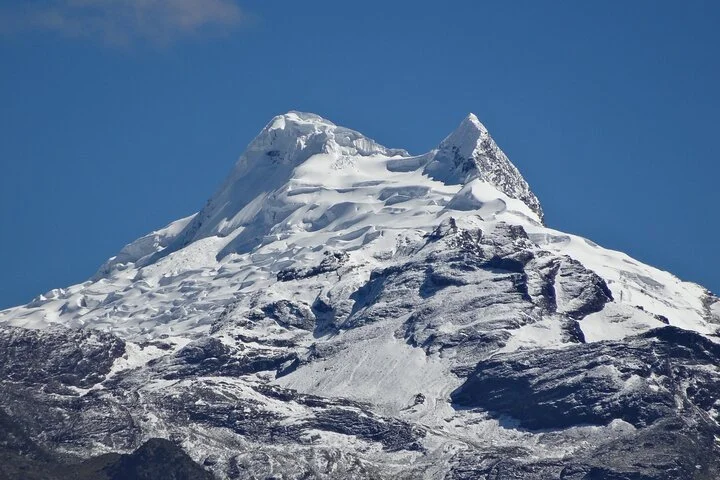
[
  {"x": 638, "y": 381},
  {"x": 156, "y": 459},
  {"x": 339, "y": 309},
  {"x": 76, "y": 358}
]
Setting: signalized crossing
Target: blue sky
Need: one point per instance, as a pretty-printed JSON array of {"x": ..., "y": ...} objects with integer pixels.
[{"x": 117, "y": 118}]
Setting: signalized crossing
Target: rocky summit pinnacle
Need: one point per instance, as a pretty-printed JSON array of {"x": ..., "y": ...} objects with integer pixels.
[
  {"x": 339, "y": 309},
  {"x": 470, "y": 152}
]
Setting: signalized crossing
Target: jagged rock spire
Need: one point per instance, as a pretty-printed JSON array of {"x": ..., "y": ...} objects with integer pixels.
[{"x": 470, "y": 152}]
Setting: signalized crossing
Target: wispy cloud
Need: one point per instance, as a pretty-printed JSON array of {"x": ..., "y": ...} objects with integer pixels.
[{"x": 123, "y": 22}]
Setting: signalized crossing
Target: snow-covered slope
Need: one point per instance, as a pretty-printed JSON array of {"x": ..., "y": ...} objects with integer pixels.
[{"x": 330, "y": 306}]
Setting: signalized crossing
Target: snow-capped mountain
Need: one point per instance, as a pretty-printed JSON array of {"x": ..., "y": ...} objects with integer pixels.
[{"x": 339, "y": 309}]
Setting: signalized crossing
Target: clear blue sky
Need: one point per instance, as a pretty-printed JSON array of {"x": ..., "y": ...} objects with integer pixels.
[{"x": 114, "y": 124}]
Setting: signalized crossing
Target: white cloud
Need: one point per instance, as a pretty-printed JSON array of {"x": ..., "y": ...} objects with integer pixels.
[{"x": 121, "y": 22}]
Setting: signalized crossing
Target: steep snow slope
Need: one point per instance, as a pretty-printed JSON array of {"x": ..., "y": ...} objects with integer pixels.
[{"x": 330, "y": 306}]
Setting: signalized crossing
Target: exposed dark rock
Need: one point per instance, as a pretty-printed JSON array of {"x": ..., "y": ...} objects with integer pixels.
[
  {"x": 209, "y": 356},
  {"x": 637, "y": 381},
  {"x": 291, "y": 314},
  {"x": 504, "y": 464},
  {"x": 582, "y": 291},
  {"x": 332, "y": 262},
  {"x": 23, "y": 458},
  {"x": 670, "y": 449},
  {"x": 156, "y": 459},
  {"x": 393, "y": 434},
  {"x": 79, "y": 358}
]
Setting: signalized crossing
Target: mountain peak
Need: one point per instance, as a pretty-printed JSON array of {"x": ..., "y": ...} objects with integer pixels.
[
  {"x": 334, "y": 310},
  {"x": 471, "y": 121},
  {"x": 467, "y": 135},
  {"x": 294, "y": 136},
  {"x": 285, "y": 143},
  {"x": 469, "y": 152}
]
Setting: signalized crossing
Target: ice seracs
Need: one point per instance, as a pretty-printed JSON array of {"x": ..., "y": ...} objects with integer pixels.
[{"x": 285, "y": 143}]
